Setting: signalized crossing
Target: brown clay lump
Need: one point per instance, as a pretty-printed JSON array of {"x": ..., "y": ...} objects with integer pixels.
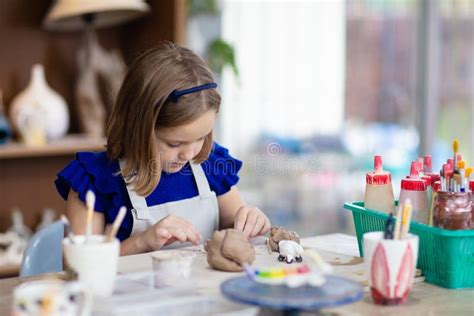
[
  {"x": 278, "y": 234},
  {"x": 229, "y": 250}
]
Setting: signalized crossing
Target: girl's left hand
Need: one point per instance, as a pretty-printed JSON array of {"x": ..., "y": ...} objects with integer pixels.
[{"x": 252, "y": 221}]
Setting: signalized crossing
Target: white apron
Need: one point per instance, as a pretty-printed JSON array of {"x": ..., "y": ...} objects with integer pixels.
[{"x": 202, "y": 210}]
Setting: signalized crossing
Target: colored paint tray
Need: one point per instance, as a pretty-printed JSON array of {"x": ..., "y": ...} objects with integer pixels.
[{"x": 335, "y": 291}]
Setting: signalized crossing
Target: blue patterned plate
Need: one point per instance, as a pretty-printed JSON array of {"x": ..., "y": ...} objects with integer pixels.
[{"x": 336, "y": 291}]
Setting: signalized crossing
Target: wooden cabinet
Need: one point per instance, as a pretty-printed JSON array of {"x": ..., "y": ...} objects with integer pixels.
[{"x": 27, "y": 174}]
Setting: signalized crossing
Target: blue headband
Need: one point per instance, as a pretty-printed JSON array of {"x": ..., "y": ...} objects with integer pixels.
[{"x": 174, "y": 96}]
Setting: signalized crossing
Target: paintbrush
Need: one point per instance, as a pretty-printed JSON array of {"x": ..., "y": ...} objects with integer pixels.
[
  {"x": 116, "y": 225},
  {"x": 406, "y": 218},
  {"x": 90, "y": 203},
  {"x": 455, "y": 162},
  {"x": 389, "y": 227},
  {"x": 461, "y": 166},
  {"x": 68, "y": 229},
  {"x": 455, "y": 150},
  {"x": 442, "y": 180},
  {"x": 398, "y": 223},
  {"x": 467, "y": 176},
  {"x": 447, "y": 174}
]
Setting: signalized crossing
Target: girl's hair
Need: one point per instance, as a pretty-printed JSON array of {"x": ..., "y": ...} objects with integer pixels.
[{"x": 142, "y": 107}]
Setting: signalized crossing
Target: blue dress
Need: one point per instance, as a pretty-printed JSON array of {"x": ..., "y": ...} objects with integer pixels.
[{"x": 94, "y": 171}]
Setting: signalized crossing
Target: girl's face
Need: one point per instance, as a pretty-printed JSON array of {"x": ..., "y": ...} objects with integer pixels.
[{"x": 180, "y": 144}]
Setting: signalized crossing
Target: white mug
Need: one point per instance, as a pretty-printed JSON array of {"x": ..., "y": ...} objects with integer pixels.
[
  {"x": 391, "y": 266},
  {"x": 171, "y": 266},
  {"x": 95, "y": 261},
  {"x": 51, "y": 297}
]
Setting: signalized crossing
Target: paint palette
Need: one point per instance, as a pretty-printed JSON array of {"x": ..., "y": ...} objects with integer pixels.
[
  {"x": 334, "y": 292},
  {"x": 289, "y": 276}
]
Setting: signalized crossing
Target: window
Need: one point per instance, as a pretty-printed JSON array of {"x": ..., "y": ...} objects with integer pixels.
[{"x": 325, "y": 85}]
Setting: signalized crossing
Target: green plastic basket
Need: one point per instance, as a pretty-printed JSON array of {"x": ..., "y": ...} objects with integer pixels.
[{"x": 445, "y": 257}]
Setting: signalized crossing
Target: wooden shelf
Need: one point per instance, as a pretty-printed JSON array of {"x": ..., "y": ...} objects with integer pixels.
[
  {"x": 9, "y": 271},
  {"x": 65, "y": 146},
  {"x": 27, "y": 174}
]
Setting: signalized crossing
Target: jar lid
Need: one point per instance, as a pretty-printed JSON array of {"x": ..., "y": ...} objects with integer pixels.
[
  {"x": 413, "y": 184},
  {"x": 471, "y": 185},
  {"x": 434, "y": 177},
  {"x": 378, "y": 176},
  {"x": 427, "y": 164},
  {"x": 419, "y": 164},
  {"x": 436, "y": 186},
  {"x": 428, "y": 180},
  {"x": 415, "y": 168}
]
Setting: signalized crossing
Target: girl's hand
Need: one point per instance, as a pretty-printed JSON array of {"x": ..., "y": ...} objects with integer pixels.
[
  {"x": 252, "y": 221},
  {"x": 170, "y": 229}
]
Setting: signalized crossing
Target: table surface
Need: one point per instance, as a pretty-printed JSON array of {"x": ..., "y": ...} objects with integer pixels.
[{"x": 338, "y": 249}]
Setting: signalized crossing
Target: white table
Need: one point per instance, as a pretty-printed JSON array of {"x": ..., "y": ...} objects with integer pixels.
[
  {"x": 201, "y": 294},
  {"x": 338, "y": 249}
]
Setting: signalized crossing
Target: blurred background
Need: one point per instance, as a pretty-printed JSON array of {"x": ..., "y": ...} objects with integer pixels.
[
  {"x": 322, "y": 86},
  {"x": 311, "y": 91}
]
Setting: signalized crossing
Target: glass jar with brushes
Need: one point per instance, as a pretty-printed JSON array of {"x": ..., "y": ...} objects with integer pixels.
[{"x": 452, "y": 210}]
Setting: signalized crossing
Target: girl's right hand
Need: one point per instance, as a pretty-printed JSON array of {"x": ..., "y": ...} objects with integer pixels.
[{"x": 170, "y": 229}]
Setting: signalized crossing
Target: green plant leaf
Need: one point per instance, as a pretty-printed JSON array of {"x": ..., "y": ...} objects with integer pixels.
[
  {"x": 221, "y": 54},
  {"x": 203, "y": 7}
]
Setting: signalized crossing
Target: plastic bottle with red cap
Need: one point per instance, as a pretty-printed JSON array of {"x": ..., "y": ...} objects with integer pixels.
[
  {"x": 378, "y": 189},
  {"x": 429, "y": 175},
  {"x": 446, "y": 177},
  {"x": 436, "y": 187},
  {"x": 428, "y": 168},
  {"x": 420, "y": 173},
  {"x": 414, "y": 188},
  {"x": 420, "y": 161}
]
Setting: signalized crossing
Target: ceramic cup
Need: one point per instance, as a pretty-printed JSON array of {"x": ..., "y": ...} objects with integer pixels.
[
  {"x": 171, "y": 267},
  {"x": 95, "y": 261},
  {"x": 51, "y": 297},
  {"x": 391, "y": 267}
]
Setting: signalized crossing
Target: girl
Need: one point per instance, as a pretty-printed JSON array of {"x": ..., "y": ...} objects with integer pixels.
[{"x": 161, "y": 162}]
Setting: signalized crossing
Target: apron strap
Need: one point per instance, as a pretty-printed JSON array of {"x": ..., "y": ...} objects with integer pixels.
[
  {"x": 201, "y": 180},
  {"x": 138, "y": 202}
]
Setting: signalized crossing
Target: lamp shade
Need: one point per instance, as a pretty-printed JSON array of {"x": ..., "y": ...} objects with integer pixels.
[{"x": 68, "y": 15}]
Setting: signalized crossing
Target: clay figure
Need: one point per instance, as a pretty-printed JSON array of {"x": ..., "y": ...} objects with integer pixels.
[
  {"x": 278, "y": 234},
  {"x": 289, "y": 251}
]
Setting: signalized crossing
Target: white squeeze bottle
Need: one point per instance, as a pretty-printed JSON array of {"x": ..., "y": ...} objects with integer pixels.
[
  {"x": 414, "y": 188},
  {"x": 378, "y": 189}
]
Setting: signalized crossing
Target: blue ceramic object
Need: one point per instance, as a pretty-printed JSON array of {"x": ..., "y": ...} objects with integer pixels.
[
  {"x": 43, "y": 254},
  {"x": 5, "y": 130},
  {"x": 336, "y": 291}
]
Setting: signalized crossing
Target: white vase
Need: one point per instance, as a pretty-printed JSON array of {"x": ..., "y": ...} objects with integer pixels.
[{"x": 39, "y": 110}]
